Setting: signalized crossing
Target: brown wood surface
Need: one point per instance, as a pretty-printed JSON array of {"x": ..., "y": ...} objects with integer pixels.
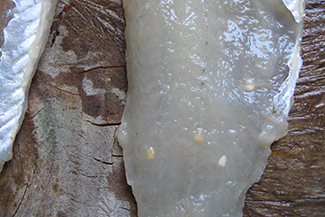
[{"x": 66, "y": 158}]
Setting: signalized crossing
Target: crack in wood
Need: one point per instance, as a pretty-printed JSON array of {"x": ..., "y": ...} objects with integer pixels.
[
  {"x": 116, "y": 155},
  {"x": 88, "y": 176},
  {"x": 82, "y": 137},
  {"x": 36, "y": 113},
  {"x": 104, "y": 125},
  {"x": 21, "y": 200},
  {"x": 103, "y": 67},
  {"x": 101, "y": 161},
  {"x": 64, "y": 91},
  {"x": 126, "y": 208}
]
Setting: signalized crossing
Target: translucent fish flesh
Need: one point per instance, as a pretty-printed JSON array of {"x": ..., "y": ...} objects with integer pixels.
[
  {"x": 25, "y": 38},
  {"x": 210, "y": 85}
]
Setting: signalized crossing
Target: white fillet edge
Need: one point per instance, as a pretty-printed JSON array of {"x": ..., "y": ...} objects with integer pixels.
[
  {"x": 23, "y": 77},
  {"x": 297, "y": 8},
  {"x": 283, "y": 100}
]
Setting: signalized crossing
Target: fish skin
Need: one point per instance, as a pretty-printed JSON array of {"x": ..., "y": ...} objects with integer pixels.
[{"x": 25, "y": 38}]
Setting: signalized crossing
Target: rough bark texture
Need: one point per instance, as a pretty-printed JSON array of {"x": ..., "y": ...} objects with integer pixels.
[{"x": 67, "y": 161}]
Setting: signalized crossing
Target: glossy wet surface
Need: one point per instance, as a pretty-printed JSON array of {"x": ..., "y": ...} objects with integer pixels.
[{"x": 293, "y": 183}]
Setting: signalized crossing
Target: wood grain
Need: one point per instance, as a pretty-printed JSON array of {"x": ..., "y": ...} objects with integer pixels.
[{"x": 66, "y": 158}]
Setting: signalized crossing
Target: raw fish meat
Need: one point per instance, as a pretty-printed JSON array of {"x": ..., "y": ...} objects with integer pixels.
[
  {"x": 25, "y": 38},
  {"x": 210, "y": 85}
]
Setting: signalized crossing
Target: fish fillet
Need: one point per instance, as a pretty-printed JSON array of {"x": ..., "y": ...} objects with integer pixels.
[
  {"x": 210, "y": 85},
  {"x": 25, "y": 38}
]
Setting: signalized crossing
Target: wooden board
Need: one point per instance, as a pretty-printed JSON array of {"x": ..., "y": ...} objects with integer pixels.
[{"x": 66, "y": 158}]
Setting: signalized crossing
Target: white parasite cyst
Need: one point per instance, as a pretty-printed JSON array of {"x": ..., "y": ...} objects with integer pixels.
[
  {"x": 222, "y": 161},
  {"x": 249, "y": 86},
  {"x": 150, "y": 153},
  {"x": 198, "y": 137}
]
